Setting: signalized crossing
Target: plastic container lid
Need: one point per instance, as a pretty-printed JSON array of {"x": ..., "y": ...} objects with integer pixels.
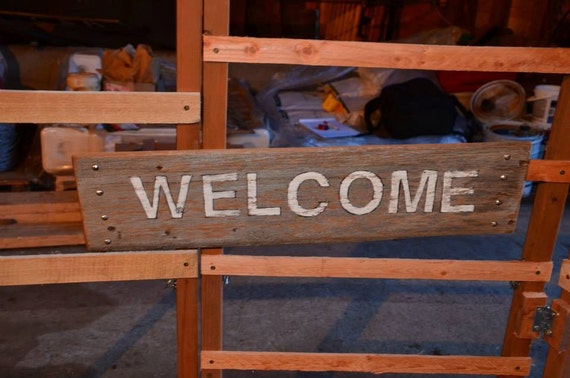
[{"x": 498, "y": 100}]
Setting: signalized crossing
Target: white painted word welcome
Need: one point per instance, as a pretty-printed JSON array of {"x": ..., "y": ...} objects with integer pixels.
[{"x": 399, "y": 181}]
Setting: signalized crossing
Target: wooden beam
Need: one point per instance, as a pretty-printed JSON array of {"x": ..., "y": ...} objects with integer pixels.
[
  {"x": 548, "y": 208},
  {"x": 41, "y": 235},
  {"x": 555, "y": 171},
  {"x": 329, "y": 267},
  {"x": 188, "y": 64},
  {"x": 385, "y": 55},
  {"x": 187, "y": 327},
  {"x": 96, "y": 267},
  {"x": 98, "y": 107},
  {"x": 564, "y": 281},
  {"x": 39, "y": 207},
  {"x": 526, "y": 316},
  {"x": 365, "y": 363},
  {"x": 188, "y": 79},
  {"x": 560, "y": 338},
  {"x": 215, "y": 91}
]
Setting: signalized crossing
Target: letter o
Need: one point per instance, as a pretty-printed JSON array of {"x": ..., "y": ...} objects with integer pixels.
[{"x": 377, "y": 188}]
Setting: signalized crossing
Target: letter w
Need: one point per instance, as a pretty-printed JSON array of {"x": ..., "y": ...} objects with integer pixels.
[
  {"x": 151, "y": 209},
  {"x": 401, "y": 177}
]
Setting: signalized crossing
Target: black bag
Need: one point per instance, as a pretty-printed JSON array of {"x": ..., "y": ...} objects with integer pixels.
[{"x": 412, "y": 108}]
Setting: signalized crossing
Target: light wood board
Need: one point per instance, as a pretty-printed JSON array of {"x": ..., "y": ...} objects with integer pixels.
[
  {"x": 96, "y": 267},
  {"x": 385, "y": 55},
  {"x": 99, "y": 107},
  {"x": 365, "y": 363},
  {"x": 337, "y": 267}
]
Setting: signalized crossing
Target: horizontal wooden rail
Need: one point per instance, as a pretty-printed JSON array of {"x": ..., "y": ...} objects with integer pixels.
[
  {"x": 34, "y": 235},
  {"x": 97, "y": 267},
  {"x": 346, "y": 267},
  {"x": 555, "y": 171},
  {"x": 365, "y": 363},
  {"x": 39, "y": 207},
  {"x": 385, "y": 55},
  {"x": 99, "y": 107}
]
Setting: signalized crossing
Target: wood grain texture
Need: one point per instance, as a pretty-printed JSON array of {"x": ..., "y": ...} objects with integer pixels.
[
  {"x": 99, "y": 107},
  {"x": 39, "y": 207},
  {"x": 555, "y": 171},
  {"x": 542, "y": 231},
  {"x": 560, "y": 337},
  {"x": 526, "y": 316},
  {"x": 329, "y": 267},
  {"x": 96, "y": 267},
  {"x": 215, "y": 95},
  {"x": 557, "y": 363},
  {"x": 385, "y": 55},
  {"x": 188, "y": 79},
  {"x": 187, "y": 327},
  {"x": 41, "y": 235},
  {"x": 564, "y": 280},
  {"x": 365, "y": 363},
  {"x": 188, "y": 64},
  {"x": 496, "y": 200}
]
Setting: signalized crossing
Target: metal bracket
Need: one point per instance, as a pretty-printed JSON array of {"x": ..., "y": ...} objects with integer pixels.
[{"x": 543, "y": 318}]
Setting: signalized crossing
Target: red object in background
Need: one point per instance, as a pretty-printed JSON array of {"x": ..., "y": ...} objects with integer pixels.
[{"x": 468, "y": 81}]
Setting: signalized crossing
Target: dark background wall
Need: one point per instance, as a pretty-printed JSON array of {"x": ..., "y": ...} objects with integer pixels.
[{"x": 114, "y": 23}]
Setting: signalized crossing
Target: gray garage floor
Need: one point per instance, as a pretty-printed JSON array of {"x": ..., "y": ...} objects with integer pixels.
[{"x": 128, "y": 329}]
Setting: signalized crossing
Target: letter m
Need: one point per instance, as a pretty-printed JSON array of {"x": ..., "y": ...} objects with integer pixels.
[
  {"x": 427, "y": 182},
  {"x": 160, "y": 182}
]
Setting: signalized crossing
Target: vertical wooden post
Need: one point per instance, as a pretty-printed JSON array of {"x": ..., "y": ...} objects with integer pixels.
[
  {"x": 215, "y": 93},
  {"x": 544, "y": 222},
  {"x": 188, "y": 64},
  {"x": 557, "y": 363},
  {"x": 188, "y": 79}
]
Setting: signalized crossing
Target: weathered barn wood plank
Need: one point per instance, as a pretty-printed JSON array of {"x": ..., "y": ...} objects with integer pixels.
[{"x": 223, "y": 198}]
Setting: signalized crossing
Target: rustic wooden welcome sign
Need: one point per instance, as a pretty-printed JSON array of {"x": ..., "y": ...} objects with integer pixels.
[{"x": 218, "y": 198}]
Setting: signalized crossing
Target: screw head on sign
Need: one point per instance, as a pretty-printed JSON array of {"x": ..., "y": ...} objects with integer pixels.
[
  {"x": 105, "y": 217},
  {"x": 503, "y": 177},
  {"x": 95, "y": 167},
  {"x": 107, "y": 241},
  {"x": 99, "y": 192}
]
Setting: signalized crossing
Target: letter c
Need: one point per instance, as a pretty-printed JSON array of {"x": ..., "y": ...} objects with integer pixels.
[{"x": 293, "y": 194}]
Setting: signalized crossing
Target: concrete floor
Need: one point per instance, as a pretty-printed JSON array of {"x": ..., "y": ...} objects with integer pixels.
[{"x": 128, "y": 329}]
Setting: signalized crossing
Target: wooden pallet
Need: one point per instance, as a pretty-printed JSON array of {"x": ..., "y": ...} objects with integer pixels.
[{"x": 40, "y": 219}]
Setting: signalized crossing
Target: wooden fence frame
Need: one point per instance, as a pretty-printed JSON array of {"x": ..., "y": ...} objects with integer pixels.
[
  {"x": 207, "y": 72},
  {"x": 551, "y": 173}
]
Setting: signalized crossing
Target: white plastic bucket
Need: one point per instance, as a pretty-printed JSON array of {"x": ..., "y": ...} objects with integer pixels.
[{"x": 519, "y": 132}]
